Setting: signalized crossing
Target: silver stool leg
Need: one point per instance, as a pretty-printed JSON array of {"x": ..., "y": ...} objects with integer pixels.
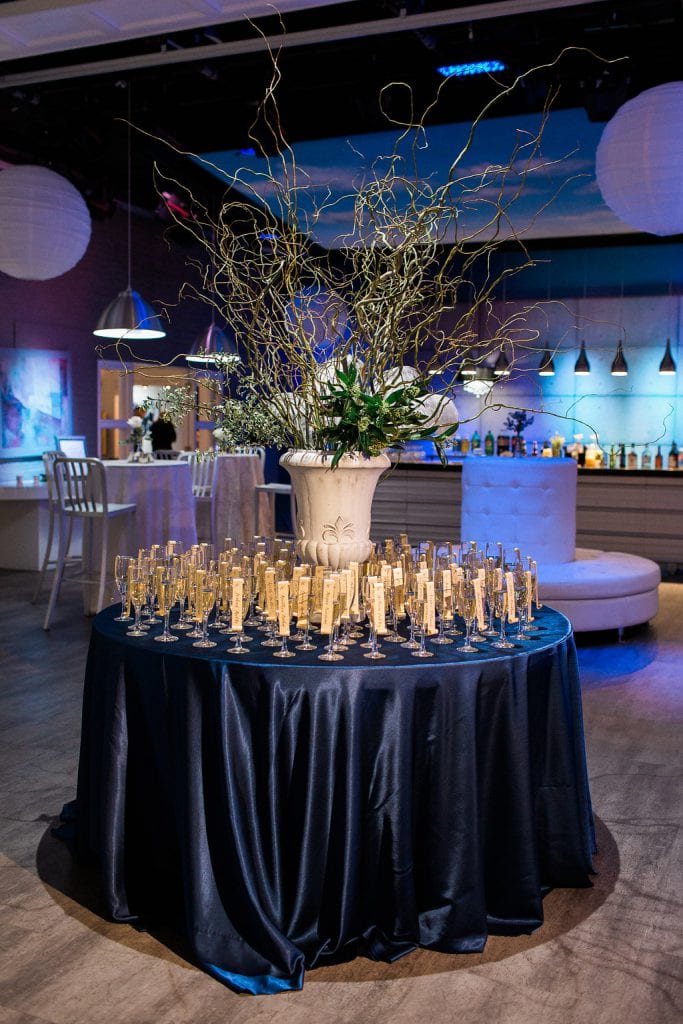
[
  {"x": 48, "y": 553},
  {"x": 64, "y": 539}
]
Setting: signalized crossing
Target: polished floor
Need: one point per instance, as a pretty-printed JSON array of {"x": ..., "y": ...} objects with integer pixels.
[{"x": 607, "y": 955}]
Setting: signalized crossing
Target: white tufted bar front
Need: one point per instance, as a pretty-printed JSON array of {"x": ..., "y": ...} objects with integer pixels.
[{"x": 531, "y": 504}]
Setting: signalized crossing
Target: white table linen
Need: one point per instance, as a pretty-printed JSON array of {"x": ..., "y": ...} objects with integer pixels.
[{"x": 236, "y": 478}]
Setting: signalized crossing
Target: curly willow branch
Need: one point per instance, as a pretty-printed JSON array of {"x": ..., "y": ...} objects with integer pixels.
[{"x": 406, "y": 285}]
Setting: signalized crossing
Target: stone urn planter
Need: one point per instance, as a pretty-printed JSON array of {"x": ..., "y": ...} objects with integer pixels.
[{"x": 334, "y": 506}]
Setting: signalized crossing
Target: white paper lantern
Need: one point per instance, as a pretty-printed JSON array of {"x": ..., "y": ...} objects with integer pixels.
[
  {"x": 639, "y": 161},
  {"x": 44, "y": 223}
]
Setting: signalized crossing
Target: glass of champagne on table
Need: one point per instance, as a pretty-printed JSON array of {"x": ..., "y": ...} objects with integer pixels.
[
  {"x": 204, "y": 602},
  {"x": 121, "y": 566},
  {"x": 166, "y": 598},
  {"x": 469, "y": 611},
  {"x": 138, "y": 584}
]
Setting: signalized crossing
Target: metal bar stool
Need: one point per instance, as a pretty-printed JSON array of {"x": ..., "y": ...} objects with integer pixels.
[{"x": 81, "y": 487}]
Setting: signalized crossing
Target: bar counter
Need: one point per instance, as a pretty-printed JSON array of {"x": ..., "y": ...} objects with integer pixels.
[{"x": 633, "y": 510}]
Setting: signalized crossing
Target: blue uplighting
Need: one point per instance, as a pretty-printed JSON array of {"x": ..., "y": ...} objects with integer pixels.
[
  {"x": 475, "y": 67},
  {"x": 250, "y": 151}
]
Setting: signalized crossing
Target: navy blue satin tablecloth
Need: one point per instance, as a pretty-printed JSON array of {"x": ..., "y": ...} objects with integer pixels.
[{"x": 284, "y": 815}]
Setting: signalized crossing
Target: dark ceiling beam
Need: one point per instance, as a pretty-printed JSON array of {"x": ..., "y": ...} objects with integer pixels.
[{"x": 310, "y": 37}]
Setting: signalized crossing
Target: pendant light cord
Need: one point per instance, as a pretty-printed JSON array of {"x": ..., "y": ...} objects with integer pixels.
[{"x": 130, "y": 178}]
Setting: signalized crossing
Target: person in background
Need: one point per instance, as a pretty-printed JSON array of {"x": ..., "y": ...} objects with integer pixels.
[{"x": 163, "y": 434}]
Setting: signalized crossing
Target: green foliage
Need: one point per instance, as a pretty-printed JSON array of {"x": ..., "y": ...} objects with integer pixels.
[{"x": 368, "y": 422}]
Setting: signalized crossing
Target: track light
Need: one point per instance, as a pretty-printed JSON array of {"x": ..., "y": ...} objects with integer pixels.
[
  {"x": 619, "y": 366},
  {"x": 582, "y": 367},
  {"x": 667, "y": 367}
]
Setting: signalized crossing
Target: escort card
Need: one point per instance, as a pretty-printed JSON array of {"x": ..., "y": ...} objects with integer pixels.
[
  {"x": 378, "y": 608},
  {"x": 326, "y": 619},
  {"x": 512, "y": 608},
  {"x": 236, "y": 603},
  {"x": 478, "y": 602},
  {"x": 354, "y": 567},
  {"x": 302, "y": 599},
  {"x": 271, "y": 598},
  {"x": 283, "y": 610},
  {"x": 430, "y": 608}
]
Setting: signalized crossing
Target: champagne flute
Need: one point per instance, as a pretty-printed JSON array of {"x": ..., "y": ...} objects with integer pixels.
[
  {"x": 206, "y": 599},
  {"x": 468, "y": 612},
  {"x": 500, "y": 611},
  {"x": 166, "y": 598},
  {"x": 411, "y": 611},
  {"x": 421, "y": 613},
  {"x": 138, "y": 594},
  {"x": 330, "y": 652},
  {"x": 121, "y": 563}
]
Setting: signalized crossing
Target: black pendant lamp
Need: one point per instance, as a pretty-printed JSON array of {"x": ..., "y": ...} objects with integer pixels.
[
  {"x": 582, "y": 367},
  {"x": 546, "y": 367},
  {"x": 667, "y": 367},
  {"x": 619, "y": 366},
  {"x": 129, "y": 316}
]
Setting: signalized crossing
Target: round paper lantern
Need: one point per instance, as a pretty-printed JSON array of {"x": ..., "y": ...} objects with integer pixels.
[
  {"x": 639, "y": 161},
  {"x": 44, "y": 223}
]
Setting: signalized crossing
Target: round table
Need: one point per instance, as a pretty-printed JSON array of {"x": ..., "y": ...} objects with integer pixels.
[
  {"x": 164, "y": 503},
  {"x": 286, "y": 814}
]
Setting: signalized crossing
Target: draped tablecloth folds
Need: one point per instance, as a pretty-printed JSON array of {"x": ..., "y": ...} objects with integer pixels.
[
  {"x": 236, "y": 478},
  {"x": 285, "y": 816}
]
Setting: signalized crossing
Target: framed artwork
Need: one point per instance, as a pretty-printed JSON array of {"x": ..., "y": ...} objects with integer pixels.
[{"x": 35, "y": 400}]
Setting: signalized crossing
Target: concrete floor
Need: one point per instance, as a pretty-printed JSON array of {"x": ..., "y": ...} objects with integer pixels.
[{"x": 608, "y": 955}]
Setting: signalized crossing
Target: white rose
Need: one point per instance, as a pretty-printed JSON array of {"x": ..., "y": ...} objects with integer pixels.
[
  {"x": 220, "y": 433},
  {"x": 135, "y": 422}
]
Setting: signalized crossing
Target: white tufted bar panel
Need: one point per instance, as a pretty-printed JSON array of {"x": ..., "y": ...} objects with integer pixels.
[
  {"x": 531, "y": 504},
  {"x": 525, "y": 503}
]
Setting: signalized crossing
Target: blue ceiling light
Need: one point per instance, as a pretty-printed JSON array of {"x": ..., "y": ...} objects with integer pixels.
[{"x": 474, "y": 67}]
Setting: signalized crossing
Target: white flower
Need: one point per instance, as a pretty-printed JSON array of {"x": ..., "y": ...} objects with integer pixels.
[
  {"x": 135, "y": 422},
  {"x": 221, "y": 434},
  {"x": 440, "y": 410}
]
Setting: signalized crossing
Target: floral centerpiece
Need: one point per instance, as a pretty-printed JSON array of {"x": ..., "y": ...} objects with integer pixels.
[
  {"x": 345, "y": 354},
  {"x": 140, "y": 437}
]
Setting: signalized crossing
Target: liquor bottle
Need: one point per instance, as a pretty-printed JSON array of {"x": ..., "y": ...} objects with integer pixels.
[
  {"x": 476, "y": 443},
  {"x": 659, "y": 460},
  {"x": 534, "y": 448},
  {"x": 612, "y": 457},
  {"x": 503, "y": 444},
  {"x": 622, "y": 456},
  {"x": 464, "y": 446},
  {"x": 632, "y": 458},
  {"x": 673, "y": 456},
  {"x": 489, "y": 444},
  {"x": 646, "y": 458}
]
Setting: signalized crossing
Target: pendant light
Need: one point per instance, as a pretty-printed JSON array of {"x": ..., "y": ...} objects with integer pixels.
[
  {"x": 667, "y": 367},
  {"x": 582, "y": 367},
  {"x": 211, "y": 343},
  {"x": 619, "y": 366},
  {"x": 501, "y": 366},
  {"x": 129, "y": 316},
  {"x": 546, "y": 367}
]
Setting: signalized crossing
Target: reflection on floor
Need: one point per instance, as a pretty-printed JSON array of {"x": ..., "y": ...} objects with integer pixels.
[{"x": 608, "y": 955}]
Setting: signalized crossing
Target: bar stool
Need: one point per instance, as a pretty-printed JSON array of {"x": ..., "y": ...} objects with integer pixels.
[
  {"x": 273, "y": 490},
  {"x": 48, "y": 560},
  {"x": 81, "y": 489}
]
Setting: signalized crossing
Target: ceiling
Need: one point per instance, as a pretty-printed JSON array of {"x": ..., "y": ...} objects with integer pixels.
[{"x": 192, "y": 72}]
